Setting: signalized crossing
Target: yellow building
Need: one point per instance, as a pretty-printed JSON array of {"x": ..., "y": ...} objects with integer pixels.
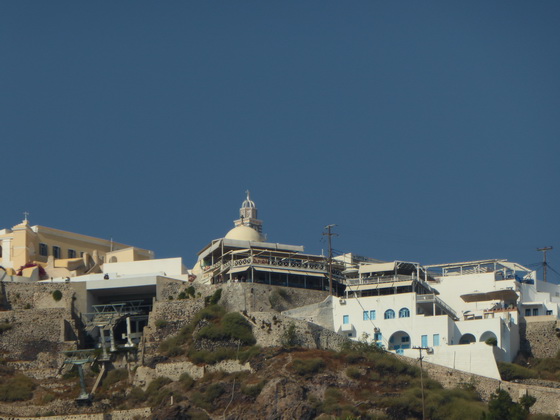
[{"x": 60, "y": 252}]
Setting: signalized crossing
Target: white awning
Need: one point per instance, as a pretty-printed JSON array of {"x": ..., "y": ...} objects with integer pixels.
[
  {"x": 377, "y": 285},
  {"x": 377, "y": 268},
  {"x": 238, "y": 269}
]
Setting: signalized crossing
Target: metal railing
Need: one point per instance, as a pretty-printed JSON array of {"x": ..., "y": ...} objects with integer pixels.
[
  {"x": 379, "y": 280},
  {"x": 433, "y": 298}
]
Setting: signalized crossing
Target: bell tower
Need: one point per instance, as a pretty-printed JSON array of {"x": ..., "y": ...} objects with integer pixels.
[{"x": 248, "y": 215}]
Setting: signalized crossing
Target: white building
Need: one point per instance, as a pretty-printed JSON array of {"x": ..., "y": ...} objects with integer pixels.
[{"x": 465, "y": 315}]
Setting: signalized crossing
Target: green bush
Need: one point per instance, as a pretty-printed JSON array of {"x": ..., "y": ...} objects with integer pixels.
[
  {"x": 511, "y": 371},
  {"x": 171, "y": 346},
  {"x": 156, "y": 392},
  {"x": 186, "y": 381},
  {"x": 492, "y": 341},
  {"x": 336, "y": 404},
  {"x": 353, "y": 372},
  {"x": 440, "y": 404},
  {"x": 233, "y": 326},
  {"x": 501, "y": 406},
  {"x": 249, "y": 353},
  {"x": 191, "y": 291},
  {"x": 212, "y": 357},
  {"x": 304, "y": 367},
  {"x": 182, "y": 295},
  {"x": 114, "y": 376},
  {"x": 57, "y": 295},
  {"x": 18, "y": 388},
  {"x": 253, "y": 390},
  {"x": 290, "y": 338},
  {"x": 207, "y": 398},
  {"x": 214, "y": 299},
  {"x": 161, "y": 323},
  {"x": 5, "y": 326},
  {"x": 48, "y": 398}
]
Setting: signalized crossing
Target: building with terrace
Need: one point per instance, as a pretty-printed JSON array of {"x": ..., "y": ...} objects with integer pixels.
[{"x": 245, "y": 255}]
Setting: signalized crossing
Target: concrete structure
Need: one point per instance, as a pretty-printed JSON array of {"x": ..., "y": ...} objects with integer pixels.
[{"x": 42, "y": 252}]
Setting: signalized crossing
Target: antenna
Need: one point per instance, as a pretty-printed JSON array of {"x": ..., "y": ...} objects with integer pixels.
[
  {"x": 545, "y": 265},
  {"x": 330, "y": 235}
]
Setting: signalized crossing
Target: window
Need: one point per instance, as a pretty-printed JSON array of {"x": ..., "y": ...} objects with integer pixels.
[
  {"x": 366, "y": 315},
  {"x": 43, "y": 250},
  {"x": 71, "y": 253},
  {"x": 372, "y": 315},
  {"x": 424, "y": 341},
  {"x": 549, "y": 312},
  {"x": 404, "y": 313},
  {"x": 436, "y": 340},
  {"x": 346, "y": 319},
  {"x": 405, "y": 339},
  {"x": 535, "y": 311},
  {"x": 56, "y": 251},
  {"x": 389, "y": 314},
  {"x": 527, "y": 312}
]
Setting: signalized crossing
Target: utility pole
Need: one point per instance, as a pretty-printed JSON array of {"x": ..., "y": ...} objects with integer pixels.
[
  {"x": 422, "y": 378},
  {"x": 543, "y": 250},
  {"x": 330, "y": 235}
]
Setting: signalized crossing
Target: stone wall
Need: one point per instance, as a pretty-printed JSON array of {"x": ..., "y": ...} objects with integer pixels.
[
  {"x": 36, "y": 295},
  {"x": 135, "y": 413},
  {"x": 548, "y": 399},
  {"x": 271, "y": 329},
  {"x": 538, "y": 337},
  {"x": 36, "y": 339},
  {"x": 176, "y": 314},
  {"x": 256, "y": 297},
  {"x": 144, "y": 374}
]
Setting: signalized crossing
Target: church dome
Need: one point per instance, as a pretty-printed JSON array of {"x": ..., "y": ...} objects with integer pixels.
[{"x": 244, "y": 233}]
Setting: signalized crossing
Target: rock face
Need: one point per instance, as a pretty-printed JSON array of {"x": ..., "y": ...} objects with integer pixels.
[
  {"x": 539, "y": 337},
  {"x": 283, "y": 398}
]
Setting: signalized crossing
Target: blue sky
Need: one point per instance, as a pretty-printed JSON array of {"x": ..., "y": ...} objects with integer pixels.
[{"x": 427, "y": 131}]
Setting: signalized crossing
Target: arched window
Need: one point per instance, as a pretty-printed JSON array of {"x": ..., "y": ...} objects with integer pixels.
[
  {"x": 113, "y": 259},
  {"x": 404, "y": 313},
  {"x": 389, "y": 314}
]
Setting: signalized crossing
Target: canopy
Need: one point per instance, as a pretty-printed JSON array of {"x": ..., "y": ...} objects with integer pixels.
[{"x": 504, "y": 294}]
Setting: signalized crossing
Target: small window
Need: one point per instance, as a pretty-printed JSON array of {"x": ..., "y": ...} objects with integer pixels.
[
  {"x": 346, "y": 319},
  {"x": 389, "y": 314},
  {"x": 549, "y": 312},
  {"x": 43, "y": 250},
  {"x": 535, "y": 311},
  {"x": 404, "y": 313},
  {"x": 71, "y": 253},
  {"x": 527, "y": 312},
  {"x": 424, "y": 341},
  {"x": 405, "y": 339},
  {"x": 56, "y": 251},
  {"x": 436, "y": 340},
  {"x": 366, "y": 315},
  {"x": 372, "y": 315}
]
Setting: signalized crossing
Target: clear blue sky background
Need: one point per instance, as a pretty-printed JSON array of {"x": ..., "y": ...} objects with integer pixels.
[{"x": 427, "y": 131}]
